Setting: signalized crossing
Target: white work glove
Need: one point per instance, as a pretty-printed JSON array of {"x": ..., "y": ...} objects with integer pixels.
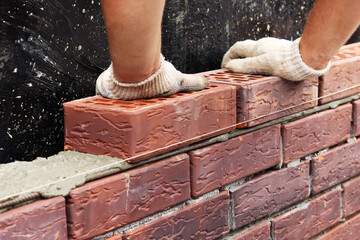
[
  {"x": 270, "y": 56},
  {"x": 166, "y": 81}
]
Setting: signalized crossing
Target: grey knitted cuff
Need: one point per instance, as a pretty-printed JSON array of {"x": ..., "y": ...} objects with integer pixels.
[{"x": 302, "y": 70}]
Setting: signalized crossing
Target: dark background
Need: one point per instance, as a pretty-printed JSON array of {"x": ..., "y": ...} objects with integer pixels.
[{"x": 52, "y": 52}]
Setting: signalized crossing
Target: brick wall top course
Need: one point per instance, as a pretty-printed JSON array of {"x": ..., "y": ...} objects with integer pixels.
[
  {"x": 344, "y": 74},
  {"x": 148, "y": 127},
  {"x": 267, "y": 97}
]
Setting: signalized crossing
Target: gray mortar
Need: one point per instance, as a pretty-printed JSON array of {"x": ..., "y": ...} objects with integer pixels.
[{"x": 53, "y": 176}]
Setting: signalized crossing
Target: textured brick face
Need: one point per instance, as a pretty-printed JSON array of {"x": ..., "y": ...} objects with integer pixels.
[
  {"x": 43, "y": 219},
  {"x": 316, "y": 132},
  {"x": 318, "y": 215},
  {"x": 349, "y": 230},
  {"x": 270, "y": 193},
  {"x": 335, "y": 166},
  {"x": 258, "y": 95},
  {"x": 261, "y": 231},
  {"x": 220, "y": 164},
  {"x": 344, "y": 74},
  {"x": 204, "y": 220},
  {"x": 351, "y": 197},
  {"x": 356, "y": 117},
  {"x": 129, "y": 128},
  {"x": 112, "y": 202}
]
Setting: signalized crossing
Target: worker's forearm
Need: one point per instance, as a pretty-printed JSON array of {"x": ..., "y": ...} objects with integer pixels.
[
  {"x": 134, "y": 34},
  {"x": 329, "y": 26}
]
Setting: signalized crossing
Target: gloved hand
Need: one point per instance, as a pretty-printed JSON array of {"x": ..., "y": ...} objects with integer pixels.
[
  {"x": 166, "y": 81},
  {"x": 270, "y": 56}
]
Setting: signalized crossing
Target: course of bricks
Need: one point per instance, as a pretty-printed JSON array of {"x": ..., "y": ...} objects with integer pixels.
[{"x": 294, "y": 179}]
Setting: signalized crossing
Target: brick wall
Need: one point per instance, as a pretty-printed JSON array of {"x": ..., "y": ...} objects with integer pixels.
[{"x": 290, "y": 176}]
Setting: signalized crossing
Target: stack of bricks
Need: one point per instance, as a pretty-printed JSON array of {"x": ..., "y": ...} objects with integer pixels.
[{"x": 294, "y": 179}]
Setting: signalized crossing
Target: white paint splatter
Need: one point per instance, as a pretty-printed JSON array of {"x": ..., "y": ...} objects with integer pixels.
[{"x": 9, "y": 135}]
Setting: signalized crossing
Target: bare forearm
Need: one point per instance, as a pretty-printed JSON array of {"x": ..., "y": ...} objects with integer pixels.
[
  {"x": 330, "y": 25},
  {"x": 134, "y": 34}
]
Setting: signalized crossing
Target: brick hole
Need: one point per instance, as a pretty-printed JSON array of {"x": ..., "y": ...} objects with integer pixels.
[
  {"x": 223, "y": 78},
  {"x": 150, "y": 100},
  {"x": 255, "y": 76},
  {"x": 172, "y": 96},
  {"x": 124, "y": 105},
  {"x": 238, "y": 79},
  {"x": 235, "y": 74},
  {"x": 219, "y": 74},
  {"x": 142, "y": 102}
]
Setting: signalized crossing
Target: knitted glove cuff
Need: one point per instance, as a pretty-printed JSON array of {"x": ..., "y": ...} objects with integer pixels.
[
  {"x": 138, "y": 84},
  {"x": 300, "y": 70}
]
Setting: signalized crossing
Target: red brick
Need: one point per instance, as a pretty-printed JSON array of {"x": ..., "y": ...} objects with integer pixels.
[
  {"x": 270, "y": 193},
  {"x": 303, "y": 223},
  {"x": 335, "y": 166},
  {"x": 273, "y": 97},
  {"x": 150, "y": 126},
  {"x": 43, "y": 219},
  {"x": 343, "y": 74},
  {"x": 315, "y": 132},
  {"x": 260, "y": 231},
  {"x": 106, "y": 204},
  {"x": 356, "y": 117},
  {"x": 204, "y": 220},
  {"x": 222, "y": 163},
  {"x": 351, "y": 196},
  {"x": 349, "y": 230}
]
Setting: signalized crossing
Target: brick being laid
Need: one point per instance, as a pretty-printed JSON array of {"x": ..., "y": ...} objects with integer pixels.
[
  {"x": 343, "y": 78},
  {"x": 112, "y": 202},
  {"x": 261, "y": 99},
  {"x": 143, "y": 128},
  {"x": 207, "y": 219},
  {"x": 42, "y": 219},
  {"x": 219, "y": 164},
  {"x": 310, "y": 219},
  {"x": 316, "y": 132}
]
